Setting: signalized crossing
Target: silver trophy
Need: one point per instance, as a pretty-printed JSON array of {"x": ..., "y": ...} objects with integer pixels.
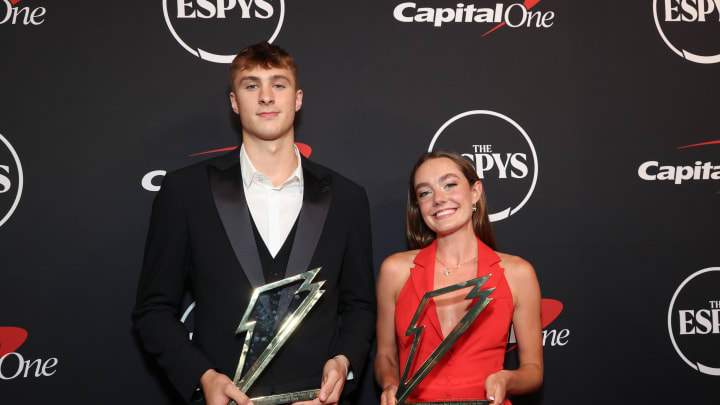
[
  {"x": 407, "y": 386},
  {"x": 295, "y": 313}
]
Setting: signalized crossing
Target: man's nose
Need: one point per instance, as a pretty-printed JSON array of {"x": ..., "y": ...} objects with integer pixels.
[{"x": 266, "y": 96}]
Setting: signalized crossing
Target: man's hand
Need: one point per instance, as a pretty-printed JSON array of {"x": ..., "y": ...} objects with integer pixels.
[
  {"x": 219, "y": 389},
  {"x": 333, "y": 381}
]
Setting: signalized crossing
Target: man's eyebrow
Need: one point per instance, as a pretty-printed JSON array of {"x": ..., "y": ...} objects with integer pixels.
[
  {"x": 249, "y": 79},
  {"x": 257, "y": 79}
]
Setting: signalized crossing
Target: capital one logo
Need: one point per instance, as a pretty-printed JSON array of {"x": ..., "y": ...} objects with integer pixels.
[
  {"x": 14, "y": 365},
  {"x": 690, "y": 28},
  {"x": 215, "y": 30},
  {"x": 501, "y": 151},
  {"x": 694, "y": 321},
  {"x": 695, "y": 167},
  {"x": 512, "y": 15},
  {"x": 11, "y": 180},
  {"x": 11, "y": 13}
]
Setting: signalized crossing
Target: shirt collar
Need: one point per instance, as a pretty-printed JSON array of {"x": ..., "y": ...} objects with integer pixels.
[{"x": 250, "y": 173}]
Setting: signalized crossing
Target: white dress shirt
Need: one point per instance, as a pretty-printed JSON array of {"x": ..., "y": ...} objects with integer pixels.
[{"x": 273, "y": 209}]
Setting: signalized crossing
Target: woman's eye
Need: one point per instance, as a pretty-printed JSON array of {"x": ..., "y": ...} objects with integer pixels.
[
  {"x": 423, "y": 194},
  {"x": 450, "y": 185}
]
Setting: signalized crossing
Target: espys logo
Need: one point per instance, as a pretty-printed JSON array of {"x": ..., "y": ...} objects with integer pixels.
[
  {"x": 699, "y": 170},
  {"x": 502, "y": 153},
  {"x": 17, "y": 15},
  {"x": 690, "y": 28},
  {"x": 513, "y": 15},
  {"x": 150, "y": 181},
  {"x": 11, "y": 180},
  {"x": 694, "y": 321},
  {"x": 212, "y": 30},
  {"x": 13, "y": 364},
  {"x": 549, "y": 311}
]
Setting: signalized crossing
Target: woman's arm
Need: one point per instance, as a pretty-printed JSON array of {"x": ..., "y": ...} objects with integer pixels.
[
  {"x": 394, "y": 272},
  {"x": 528, "y": 333}
]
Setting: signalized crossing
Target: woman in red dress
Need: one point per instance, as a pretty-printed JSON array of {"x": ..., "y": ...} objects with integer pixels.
[{"x": 448, "y": 226}]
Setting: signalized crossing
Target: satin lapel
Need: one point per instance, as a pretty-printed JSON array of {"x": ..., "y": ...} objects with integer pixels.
[
  {"x": 316, "y": 203},
  {"x": 311, "y": 220},
  {"x": 230, "y": 202},
  {"x": 422, "y": 276}
]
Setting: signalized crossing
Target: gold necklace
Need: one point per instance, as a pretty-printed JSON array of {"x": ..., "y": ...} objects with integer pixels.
[{"x": 448, "y": 268}]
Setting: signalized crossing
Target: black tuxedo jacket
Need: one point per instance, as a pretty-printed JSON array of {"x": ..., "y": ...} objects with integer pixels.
[{"x": 200, "y": 236}]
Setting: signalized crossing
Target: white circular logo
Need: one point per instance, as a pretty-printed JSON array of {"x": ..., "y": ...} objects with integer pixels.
[
  {"x": 694, "y": 321},
  {"x": 691, "y": 24},
  {"x": 11, "y": 180},
  {"x": 502, "y": 153},
  {"x": 222, "y": 25}
]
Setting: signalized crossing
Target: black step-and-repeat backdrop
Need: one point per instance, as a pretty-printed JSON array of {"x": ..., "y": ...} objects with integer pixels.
[{"x": 593, "y": 125}]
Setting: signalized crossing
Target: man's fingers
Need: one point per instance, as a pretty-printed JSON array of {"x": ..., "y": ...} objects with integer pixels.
[
  {"x": 335, "y": 391},
  {"x": 236, "y": 395},
  {"x": 331, "y": 379},
  {"x": 313, "y": 402}
]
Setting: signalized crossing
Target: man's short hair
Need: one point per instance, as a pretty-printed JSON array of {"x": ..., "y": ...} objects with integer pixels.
[{"x": 264, "y": 55}]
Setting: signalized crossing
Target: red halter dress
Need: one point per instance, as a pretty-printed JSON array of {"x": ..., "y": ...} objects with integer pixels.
[{"x": 460, "y": 374}]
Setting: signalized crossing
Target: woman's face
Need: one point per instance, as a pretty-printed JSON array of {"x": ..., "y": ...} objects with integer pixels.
[{"x": 444, "y": 196}]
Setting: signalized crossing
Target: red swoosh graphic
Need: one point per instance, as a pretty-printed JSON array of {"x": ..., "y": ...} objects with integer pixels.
[
  {"x": 528, "y": 5},
  {"x": 549, "y": 310},
  {"x": 11, "y": 338},
  {"x": 699, "y": 144},
  {"x": 304, "y": 149},
  {"x": 14, "y": 2},
  {"x": 214, "y": 151}
]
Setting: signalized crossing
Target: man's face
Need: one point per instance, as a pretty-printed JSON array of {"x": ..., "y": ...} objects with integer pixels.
[{"x": 266, "y": 100}]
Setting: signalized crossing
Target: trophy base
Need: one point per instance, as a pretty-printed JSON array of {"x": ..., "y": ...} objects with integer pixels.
[
  {"x": 277, "y": 399},
  {"x": 468, "y": 402}
]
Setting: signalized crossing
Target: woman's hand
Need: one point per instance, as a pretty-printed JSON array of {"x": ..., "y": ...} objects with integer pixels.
[
  {"x": 496, "y": 387},
  {"x": 388, "y": 395}
]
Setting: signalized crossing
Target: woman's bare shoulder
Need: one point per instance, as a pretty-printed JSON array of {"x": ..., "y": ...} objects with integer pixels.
[
  {"x": 394, "y": 273},
  {"x": 399, "y": 263},
  {"x": 516, "y": 267},
  {"x": 521, "y": 279}
]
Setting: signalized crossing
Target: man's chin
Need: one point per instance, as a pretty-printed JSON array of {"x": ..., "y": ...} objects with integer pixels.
[{"x": 269, "y": 136}]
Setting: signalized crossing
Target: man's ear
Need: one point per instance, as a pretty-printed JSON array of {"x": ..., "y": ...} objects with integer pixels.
[
  {"x": 233, "y": 102},
  {"x": 298, "y": 100}
]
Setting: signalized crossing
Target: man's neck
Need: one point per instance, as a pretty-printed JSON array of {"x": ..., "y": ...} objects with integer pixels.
[{"x": 275, "y": 158}]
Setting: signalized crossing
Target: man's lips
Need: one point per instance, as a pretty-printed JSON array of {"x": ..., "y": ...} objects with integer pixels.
[{"x": 268, "y": 114}]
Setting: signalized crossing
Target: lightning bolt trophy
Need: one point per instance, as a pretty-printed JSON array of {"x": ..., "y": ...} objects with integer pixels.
[
  {"x": 296, "y": 309},
  {"x": 408, "y": 385}
]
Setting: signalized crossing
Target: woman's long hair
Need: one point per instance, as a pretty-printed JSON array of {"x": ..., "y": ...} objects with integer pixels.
[{"x": 418, "y": 233}]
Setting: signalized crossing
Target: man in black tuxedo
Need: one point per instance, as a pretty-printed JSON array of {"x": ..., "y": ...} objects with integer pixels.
[{"x": 229, "y": 224}]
